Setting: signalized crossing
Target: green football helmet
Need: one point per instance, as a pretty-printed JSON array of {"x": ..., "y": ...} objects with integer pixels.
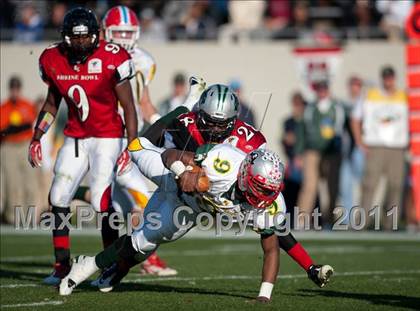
[{"x": 218, "y": 109}]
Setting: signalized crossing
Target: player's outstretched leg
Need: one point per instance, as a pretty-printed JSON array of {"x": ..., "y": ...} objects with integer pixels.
[
  {"x": 154, "y": 265},
  {"x": 82, "y": 268},
  {"x": 319, "y": 274},
  {"x": 132, "y": 181}
]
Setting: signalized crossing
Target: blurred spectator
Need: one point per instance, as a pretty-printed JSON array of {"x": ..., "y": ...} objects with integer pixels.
[
  {"x": 279, "y": 14},
  {"x": 29, "y": 28},
  {"x": 326, "y": 14},
  {"x": 244, "y": 17},
  {"x": 173, "y": 14},
  {"x": 54, "y": 23},
  {"x": 306, "y": 20},
  {"x": 362, "y": 20},
  {"x": 177, "y": 98},
  {"x": 394, "y": 16},
  {"x": 353, "y": 159},
  {"x": 7, "y": 13},
  {"x": 380, "y": 128},
  {"x": 245, "y": 111},
  {"x": 195, "y": 24},
  {"x": 293, "y": 175},
  {"x": 152, "y": 28},
  {"x": 299, "y": 25},
  {"x": 218, "y": 11},
  {"x": 58, "y": 10},
  {"x": 319, "y": 142},
  {"x": 17, "y": 116}
]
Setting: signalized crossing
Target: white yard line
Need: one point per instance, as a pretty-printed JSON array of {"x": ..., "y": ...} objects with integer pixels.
[
  {"x": 235, "y": 249},
  {"x": 250, "y": 235},
  {"x": 237, "y": 277},
  {"x": 17, "y": 285},
  {"x": 34, "y": 304},
  {"x": 250, "y": 277}
]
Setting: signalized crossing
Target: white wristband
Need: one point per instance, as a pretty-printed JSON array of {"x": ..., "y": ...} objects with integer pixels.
[
  {"x": 154, "y": 118},
  {"x": 266, "y": 289},
  {"x": 177, "y": 168}
]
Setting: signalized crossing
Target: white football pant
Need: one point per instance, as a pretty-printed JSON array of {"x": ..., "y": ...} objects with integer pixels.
[{"x": 74, "y": 159}]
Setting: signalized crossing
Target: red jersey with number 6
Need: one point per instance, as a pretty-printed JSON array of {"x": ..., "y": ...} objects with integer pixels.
[{"x": 89, "y": 88}]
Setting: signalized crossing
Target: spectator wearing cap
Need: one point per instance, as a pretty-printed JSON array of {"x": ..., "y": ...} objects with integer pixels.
[
  {"x": 293, "y": 176},
  {"x": 178, "y": 96},
  {"x": 380, "y": 128},
  {"x": 319, "y": 145},
  {"x": 17, "y": 116},
  {"x": 245, "y": 111},
  {"x": 352, "y": 157}
]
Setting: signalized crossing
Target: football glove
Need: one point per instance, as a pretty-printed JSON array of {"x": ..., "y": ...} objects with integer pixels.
[
  {"x": 124, "y": 163},
  {"x": 35, "y": 153}
]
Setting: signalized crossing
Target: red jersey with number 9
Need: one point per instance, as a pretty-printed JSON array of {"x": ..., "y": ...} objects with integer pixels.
[{"x": 89, "y": 88}]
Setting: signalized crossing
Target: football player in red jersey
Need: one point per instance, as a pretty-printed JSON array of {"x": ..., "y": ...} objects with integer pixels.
[
  {"x": 131, "y": 191},
  {"x": 213, "y": 120},
  {"x": 92, "y": 76}
]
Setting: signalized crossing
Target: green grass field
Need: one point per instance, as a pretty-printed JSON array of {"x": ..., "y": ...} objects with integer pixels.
[{"x": 222, "y": 274}]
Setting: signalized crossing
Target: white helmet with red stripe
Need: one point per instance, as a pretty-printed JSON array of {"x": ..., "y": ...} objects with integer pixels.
[
  {"x": 260, "y": 177},
  {"x": 121, "y": 26}
]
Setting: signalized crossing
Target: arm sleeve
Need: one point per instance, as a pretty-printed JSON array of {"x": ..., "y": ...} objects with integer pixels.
[
  {"x": 125, "y": 71},
  {"x": 42, "y": 72},
  {"x": 155, "y": 133},
  {"x": 182, "y": 138}
]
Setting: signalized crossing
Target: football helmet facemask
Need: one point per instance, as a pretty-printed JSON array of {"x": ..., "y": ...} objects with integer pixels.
[
  {"x": 80, "y": 33},
  {"x": 218, "y": 109},
  {"x": 121, "y": 26},
  {"x": 260, "y": 178}
]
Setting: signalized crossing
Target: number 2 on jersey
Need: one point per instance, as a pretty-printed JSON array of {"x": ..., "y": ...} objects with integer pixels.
[
  {"x": 78, "y": 95},
  {"x": 242, "y": 130}
]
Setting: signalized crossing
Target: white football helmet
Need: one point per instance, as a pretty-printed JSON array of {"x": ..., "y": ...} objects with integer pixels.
[{"x": 260, "y": 177}]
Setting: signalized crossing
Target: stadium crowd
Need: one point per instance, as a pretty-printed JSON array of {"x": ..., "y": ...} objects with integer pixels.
[{"x": 325, "y": 21}]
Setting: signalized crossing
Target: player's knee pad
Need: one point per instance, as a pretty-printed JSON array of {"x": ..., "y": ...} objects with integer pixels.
[
  {"x": 58, "y": 197},
  {"x": 101, "y": 200},
  {"x": 141, "y": 244}
]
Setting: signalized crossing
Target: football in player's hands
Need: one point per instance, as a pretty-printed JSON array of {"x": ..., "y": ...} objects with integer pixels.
[{"x": 194, "y": 179}]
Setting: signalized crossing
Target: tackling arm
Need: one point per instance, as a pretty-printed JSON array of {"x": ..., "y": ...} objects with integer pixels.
[
  {"x": 190, "y": 177},
  {"x": 171, "y": 156},
  {"x": 270, "y": 268},
  {"x": 125, "y": 96}
]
